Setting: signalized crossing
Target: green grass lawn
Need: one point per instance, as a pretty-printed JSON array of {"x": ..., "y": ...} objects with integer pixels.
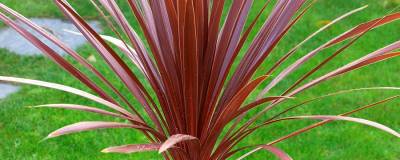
[{"x": 22, "y": 128}]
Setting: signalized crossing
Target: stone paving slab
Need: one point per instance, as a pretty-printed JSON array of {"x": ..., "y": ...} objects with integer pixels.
[
  {"x": 12, "y": 41},
  {"x": 7, "y": 89}
]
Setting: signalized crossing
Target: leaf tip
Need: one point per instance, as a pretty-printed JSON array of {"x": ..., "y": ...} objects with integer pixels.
[
  {"x": 163, "y": 148},
  {"x": 44, "y": 139},
  {"x": 52, "y": 135},
  {"x": 38, "y": 106},
  {"x": 29, "y": 107},
  {"x": 106, "y": 150}
]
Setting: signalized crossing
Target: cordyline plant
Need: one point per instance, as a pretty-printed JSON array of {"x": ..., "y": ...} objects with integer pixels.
[{"x": 186, "y": 56}]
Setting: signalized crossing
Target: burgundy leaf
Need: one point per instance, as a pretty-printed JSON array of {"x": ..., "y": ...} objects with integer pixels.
[
  {"x": 66, "y": 89},
  {"x": 89, "y": 109},
  {"x": 175, "y": 139},
  {"x": 351, "y": 119},
  {"x": 86, "y": 126},
  {"x": 276, "y": 151},
  {"x": 132, "y": 148}
]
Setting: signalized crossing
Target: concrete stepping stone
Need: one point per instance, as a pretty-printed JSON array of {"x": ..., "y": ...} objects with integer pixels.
[
  {"x": 12, "y": 41},
  {"x": 7, "y": 89}
]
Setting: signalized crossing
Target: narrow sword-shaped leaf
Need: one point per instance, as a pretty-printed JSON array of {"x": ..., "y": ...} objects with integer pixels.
[
  {"x": 66, "y": 89},
  {"x": 175, "y": 139},
  {"x": 132, "y": 148},
  {"x": 88, "y": 109},
  {"x": 276, "y": 151},
  {"x": 128, "y": 50},
  {"x": 86, "y": 126},
  {"x": 351, "y": 119}
]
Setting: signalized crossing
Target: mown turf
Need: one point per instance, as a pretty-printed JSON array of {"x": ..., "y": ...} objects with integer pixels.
[{"x": 22, "y": 128}]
